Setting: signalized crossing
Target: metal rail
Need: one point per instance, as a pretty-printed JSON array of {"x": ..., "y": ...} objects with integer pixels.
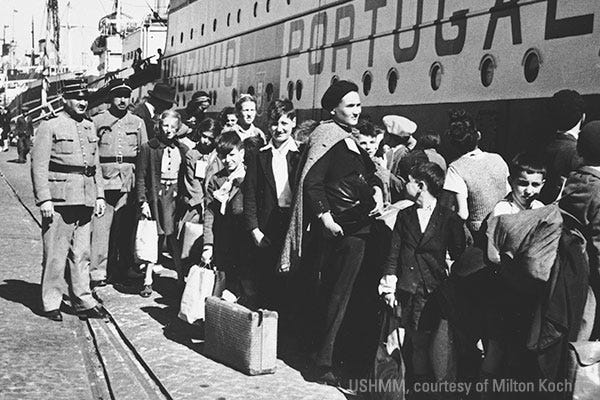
[{"x": 94, "y": 354}]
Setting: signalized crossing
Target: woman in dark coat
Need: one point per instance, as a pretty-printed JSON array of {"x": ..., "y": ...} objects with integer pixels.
[{"x": 339, "y": 187}]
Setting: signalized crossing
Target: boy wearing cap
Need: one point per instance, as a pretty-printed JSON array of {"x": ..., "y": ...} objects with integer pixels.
[
  {"x": 194, "y": 112},
  {"x": 120, "y": 135},
  {"x": 67, "y": 184},
  {"x": 24, "y": 132}
]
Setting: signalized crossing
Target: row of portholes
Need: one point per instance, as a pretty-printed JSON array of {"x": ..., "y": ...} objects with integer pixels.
[
  {"x": 238, "y": 18},
  {"x": 531, "y": 67},
  {"x": 269, "y": 91}
]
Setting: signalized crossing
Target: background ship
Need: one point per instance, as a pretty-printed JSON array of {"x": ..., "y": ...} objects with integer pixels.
[{"x": 501, "y": 60}]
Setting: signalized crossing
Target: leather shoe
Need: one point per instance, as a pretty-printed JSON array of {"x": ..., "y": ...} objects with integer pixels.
[
  {"x": 54, "y": 315},
  {"x": 95, "y": 312},
  {"x": 100, "y": 283}
]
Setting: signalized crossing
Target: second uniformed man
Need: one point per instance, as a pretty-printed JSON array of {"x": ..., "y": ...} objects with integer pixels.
[
  {"x": 120, "y": 136},
  {"x": 67, "y": 184}
]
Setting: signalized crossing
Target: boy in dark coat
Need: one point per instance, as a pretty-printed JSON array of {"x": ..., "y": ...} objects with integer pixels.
[
  {"x": 268, "y": 194},
  {"x": 416, "y": 264},
  {"x": 226, "y": 243}
]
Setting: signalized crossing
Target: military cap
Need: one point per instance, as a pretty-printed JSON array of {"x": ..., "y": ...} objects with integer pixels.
[
  {"x": 74, "y": 89},
  {"x": 119, "y": 87},
  {"x": 334, "y": 94}
]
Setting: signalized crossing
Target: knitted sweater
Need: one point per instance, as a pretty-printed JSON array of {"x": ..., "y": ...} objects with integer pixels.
[{"x": 485, "y": 176}]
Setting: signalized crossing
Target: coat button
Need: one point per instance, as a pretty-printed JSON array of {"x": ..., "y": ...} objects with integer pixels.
[{"x": 411, "y": 268}]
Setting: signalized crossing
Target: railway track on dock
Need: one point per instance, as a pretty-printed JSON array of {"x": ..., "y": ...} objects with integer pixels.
[{"x": 114, "y": 368}]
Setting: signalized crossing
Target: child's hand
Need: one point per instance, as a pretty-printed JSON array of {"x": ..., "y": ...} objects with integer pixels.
[
  {"x": 146, "y": 210},
  {"x": 260, "y": 240},
  {"x": 331, "y": 226},
  {"x": 207, "y": 254},
  {"x": 390, "y": 300}
]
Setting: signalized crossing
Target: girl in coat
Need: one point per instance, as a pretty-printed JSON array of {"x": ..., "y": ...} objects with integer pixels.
[
  {"x": 157, "y": 182},
  {"x": 416, "y": 264}
]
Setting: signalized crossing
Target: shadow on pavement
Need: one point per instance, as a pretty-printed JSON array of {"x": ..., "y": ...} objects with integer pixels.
[{"x": 26, "y": 293}]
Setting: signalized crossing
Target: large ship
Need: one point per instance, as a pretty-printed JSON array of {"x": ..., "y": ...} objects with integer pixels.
[{"x": 499, "y": 59}]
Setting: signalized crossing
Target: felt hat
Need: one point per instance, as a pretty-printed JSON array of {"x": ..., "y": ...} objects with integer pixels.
[
  {"x": 334, "y": 94},
  {"x": 163, "y": 92},
  {"x": 399, "y": 126}
]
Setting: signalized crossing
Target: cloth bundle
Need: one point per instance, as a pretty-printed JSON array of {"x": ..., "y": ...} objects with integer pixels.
[{"x": 530, "y": 236}]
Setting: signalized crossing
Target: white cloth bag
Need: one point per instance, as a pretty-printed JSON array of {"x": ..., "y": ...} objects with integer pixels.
[{"x": 146, "y": 241}]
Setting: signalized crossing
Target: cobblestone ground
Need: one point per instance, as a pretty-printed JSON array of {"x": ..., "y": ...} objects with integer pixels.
[
  {"x": 149, "y": 324},
  {"x": 39, "y": 358}
]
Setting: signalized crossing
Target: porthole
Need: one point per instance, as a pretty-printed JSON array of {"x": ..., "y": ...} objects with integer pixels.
[
  {"x": 268, "y": 5},
  {"x": 531, "y": 65},
  {"x": 239, "y": 15},
  {"x": 228, "y": 19},
  {"x": 177, "y": 99},
  {"x": 334, "y": 79},
  {"x": 255, "y": 9},
  {"x": 214, "y": 97},
  {"x": 181, "y": 37},
  {"x": 214, "y": 25},
  {"x": 486, "y": 68},
  {"x": 202, "y": 30},
  {"x": 290, "y": 90},
  {"x": 251, "y": 90},
  {"x": 234, "y": 95},
  {"x": 192, "y": 33},
  {"x": 269, "y": 92},
  {"x": 184, "y": 99},
  {"x": 367, "y": 82},
  {"x": 299, "y": 87},
  {"x": 289, "y": 2},
  {"x": 392, "y": 78},
  {"x": 435, "y": 75},
  {"x": 172, "y": 39}
]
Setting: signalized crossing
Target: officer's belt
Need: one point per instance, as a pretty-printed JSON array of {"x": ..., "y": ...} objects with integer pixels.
[
  {"x": 87, "y": 170},
  {"x": 118, "y": 159}
]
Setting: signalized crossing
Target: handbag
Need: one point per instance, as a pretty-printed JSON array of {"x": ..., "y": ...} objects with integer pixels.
[
  {"x": 192, "y": 239},
  {"x": 202, "y": 282},
  {"x": 146, "y": 241},
  {"x": 388, "y": 367}
]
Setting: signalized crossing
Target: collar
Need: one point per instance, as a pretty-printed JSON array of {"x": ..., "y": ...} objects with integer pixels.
[
  {"x": 288, "y": 145},
  {"x": 150, "y": 108},
  {"x": 472, "y": 153},
  {"x": 347, "y": 128},
  {"x": 574, "y": 131},
  {"x": 428, "y": 207}
]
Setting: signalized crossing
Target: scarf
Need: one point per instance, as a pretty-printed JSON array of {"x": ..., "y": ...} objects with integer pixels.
[
  {"x": 223, "y": 193},
  {"x": 323, "y": 138}
]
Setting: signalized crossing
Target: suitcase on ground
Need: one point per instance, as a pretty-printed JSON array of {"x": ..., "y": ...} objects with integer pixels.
[{"x": 243, "y": 339}]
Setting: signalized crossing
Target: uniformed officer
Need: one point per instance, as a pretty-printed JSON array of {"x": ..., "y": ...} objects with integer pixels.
[
  {"x": 67, "y": 184},
  {"x": 120, "y": 136}
]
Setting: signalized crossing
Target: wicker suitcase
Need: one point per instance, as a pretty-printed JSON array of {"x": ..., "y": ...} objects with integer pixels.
[{"x": 243, "y": 339}]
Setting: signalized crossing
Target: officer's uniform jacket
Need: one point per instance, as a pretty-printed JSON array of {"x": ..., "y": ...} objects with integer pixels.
[
  {"x": 119, "y": 138},
  {"x": 65, "y": 141}
]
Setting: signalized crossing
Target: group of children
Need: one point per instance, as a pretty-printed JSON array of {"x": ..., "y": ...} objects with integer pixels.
[{"x": 240, "y": 184}]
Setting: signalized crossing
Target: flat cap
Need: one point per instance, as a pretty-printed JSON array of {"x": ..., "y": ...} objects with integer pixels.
[
  {"x": 334, "y": 94},
  {"x": 398, "y": 125}
]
